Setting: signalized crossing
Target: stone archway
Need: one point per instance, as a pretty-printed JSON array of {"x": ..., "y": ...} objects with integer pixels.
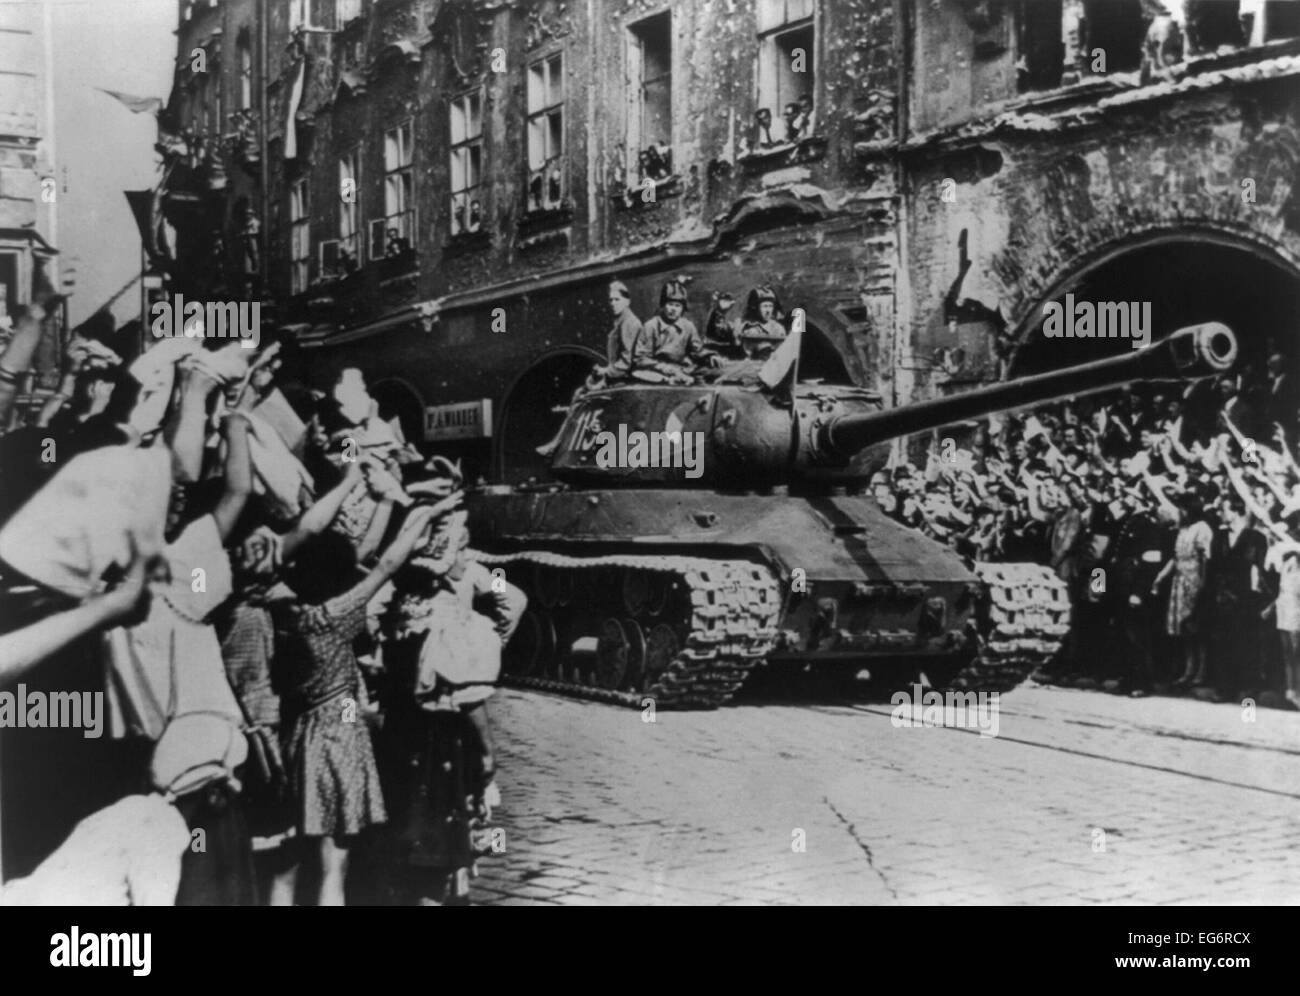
[
  {"x": 527, "y": 419},
  {"x": 398, "y": 399},
  {"x": 1188, "y": 275}
]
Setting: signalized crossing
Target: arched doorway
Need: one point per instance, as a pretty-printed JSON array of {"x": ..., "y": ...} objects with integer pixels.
[
  {"x": 527, "y": 417},
  {"x": 399, "y": 400},
  {"x": 819, "y": 359},
  {"x": 1187, "y": 278}
]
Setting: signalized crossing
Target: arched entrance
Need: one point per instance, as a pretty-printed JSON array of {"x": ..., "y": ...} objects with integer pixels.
[
  {"x": 1188, "y": 278},
  {"x": 819, "y": 359},
  {"x": 527, "y": 418},
  {"x": 398, "y": 399}
]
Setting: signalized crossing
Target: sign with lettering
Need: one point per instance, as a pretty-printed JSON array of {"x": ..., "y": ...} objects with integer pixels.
[{"x": 461, "y": 420}]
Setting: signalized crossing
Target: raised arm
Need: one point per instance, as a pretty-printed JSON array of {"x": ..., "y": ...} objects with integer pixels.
[
  {"x": 239, "y": 474},
  {"x": 400, "y": 550},
  {"x": 317, "y": 518},
  {"x": 185, "y": 429},
  {"x": 23, "y": 649}
]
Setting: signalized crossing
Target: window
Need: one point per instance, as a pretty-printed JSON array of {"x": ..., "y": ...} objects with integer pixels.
[
  {"x": 786, "y": 71},
  {"x": 313, "y": 14},
  {"x": 349, "y": 213},
  {"x": 1117, "y": 28},
  {"x": 244, "y": 53},
  {"x": 1270, "y": 20},
  {"x": 299, "y": 237},
  {"x": 215, "y": 85},
  {"x": 467, "y": 163},
  {"x": 347, "y": 10},
  {"x": 9, "y": 286},
  {"x": 650, "y": 114},
  {"x": 1040, "y": 45},
  {"x": 399, "y": 193},
  {"x": 546, "y": 133}
]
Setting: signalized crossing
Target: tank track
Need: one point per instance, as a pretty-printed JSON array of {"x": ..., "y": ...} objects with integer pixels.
[
  {"x": 716, "y": 621},
  {"x": 1025, "y": 617}
]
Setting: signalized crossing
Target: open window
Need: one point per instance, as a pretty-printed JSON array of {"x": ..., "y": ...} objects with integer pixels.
[
  {"x": 299, "y": 238},
  {"x": 787, "y": 47},
  {"x": 466, "y": 119},
  {"x": 546, "y": 174},
  {"x": 650, "y": 98},
  {"x": 399, "y": 190},
  {"x": 349, "y": 251},
  {"x": 244, "y": 55}
]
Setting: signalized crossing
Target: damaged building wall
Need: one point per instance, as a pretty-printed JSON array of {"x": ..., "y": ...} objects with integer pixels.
[{"x": 1032, "y": 195}]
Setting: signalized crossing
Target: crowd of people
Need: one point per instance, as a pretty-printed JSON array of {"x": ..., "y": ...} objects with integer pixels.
[
  {"x": 278, "y": 607},
  {"x": 1172, "y": 514},
  {"x": 297, "y": 653}
]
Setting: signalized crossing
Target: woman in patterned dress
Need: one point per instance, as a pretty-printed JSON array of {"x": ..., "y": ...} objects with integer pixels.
[
  {"x": 326, "y": 743},
  {"x": 1192, "y": 548}
]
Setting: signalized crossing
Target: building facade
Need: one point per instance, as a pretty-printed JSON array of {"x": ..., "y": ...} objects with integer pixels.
[
  {"x": 28, "y": 185},
  {"x": 440, "y": 192}
]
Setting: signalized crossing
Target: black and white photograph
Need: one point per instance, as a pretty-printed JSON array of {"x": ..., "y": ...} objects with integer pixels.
[{"x": 644, "y": 453}]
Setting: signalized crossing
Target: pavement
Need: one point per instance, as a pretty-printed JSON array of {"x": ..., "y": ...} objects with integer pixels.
[{"x": 1080, "y": 798}]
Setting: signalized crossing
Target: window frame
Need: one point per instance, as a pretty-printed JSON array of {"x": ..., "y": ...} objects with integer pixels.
[
  {"x": 350, "y": 211},
  {"x": 401, "y": 178},
  {"x": 244, "y": 58},
  {"x": 770, "y": 53},
  {"x": 635, "y": 137},
  {"x": 299, "y": 236},
  {"x": 543, "y": 114},
  {"x": 467, "y": 145}
]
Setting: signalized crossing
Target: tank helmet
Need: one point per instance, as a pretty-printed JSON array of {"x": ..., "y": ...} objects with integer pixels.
[
  {"x": 673, "y": 290},
  {"x": 757, "y": 296}
]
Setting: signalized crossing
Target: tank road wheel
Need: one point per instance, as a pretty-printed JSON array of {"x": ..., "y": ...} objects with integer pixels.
[
  {"x": 544, "y": 584},
  {"x": 554, "y": 586},
  {"x": 657, "y": 596},
  {"x": 532, "y": 647},
  {"x": 611, "y": 655},
  {"x": 636, "y": 591},
  {"x": 661, "y": 648}
]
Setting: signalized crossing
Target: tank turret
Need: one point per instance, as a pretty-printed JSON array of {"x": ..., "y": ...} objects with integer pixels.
[{"x": 744, "y": 434}]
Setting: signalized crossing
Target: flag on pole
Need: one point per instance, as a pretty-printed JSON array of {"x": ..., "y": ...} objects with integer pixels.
[{"x": 135, "y": 105}]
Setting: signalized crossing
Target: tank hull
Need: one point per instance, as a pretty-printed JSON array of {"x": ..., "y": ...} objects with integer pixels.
[{"x": 824, "y": 580}]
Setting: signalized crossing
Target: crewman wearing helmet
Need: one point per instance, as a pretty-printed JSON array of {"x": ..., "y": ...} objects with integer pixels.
[
  {"x": 669, "y": 340},
  {"x": 760, "y": 330}
]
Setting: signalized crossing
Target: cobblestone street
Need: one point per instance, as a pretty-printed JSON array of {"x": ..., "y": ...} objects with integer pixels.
[{"x": 1081, "y": 798}]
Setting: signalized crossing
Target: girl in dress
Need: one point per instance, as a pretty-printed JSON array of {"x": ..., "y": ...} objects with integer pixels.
[
  {"x": 444, "y": 629},
  {"x": 331, "y": 765}
]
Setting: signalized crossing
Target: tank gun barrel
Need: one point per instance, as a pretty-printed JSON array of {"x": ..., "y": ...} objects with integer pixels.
[{"x": 1189, "y": 353}]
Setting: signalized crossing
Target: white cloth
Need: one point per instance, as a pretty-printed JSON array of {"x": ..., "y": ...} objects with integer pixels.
[
  {"x": 170, "y": 664},
  {"x": 155, "y": 371},
  {"x": 88, "y": 516},
  {"x": 128, "y": 854},
  {"x": 276, "y": 471}
]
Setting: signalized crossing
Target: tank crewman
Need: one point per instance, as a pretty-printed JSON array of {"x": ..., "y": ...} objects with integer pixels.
[
  {"x": 669, "y": 340},
  {"x": 624, "y": 333},
  {"x": 721, "y": 331},
  {"x": 760, "y": 329}
]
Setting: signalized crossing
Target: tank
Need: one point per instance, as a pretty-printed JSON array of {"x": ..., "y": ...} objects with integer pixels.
[{"x": 696, "y": 531}]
